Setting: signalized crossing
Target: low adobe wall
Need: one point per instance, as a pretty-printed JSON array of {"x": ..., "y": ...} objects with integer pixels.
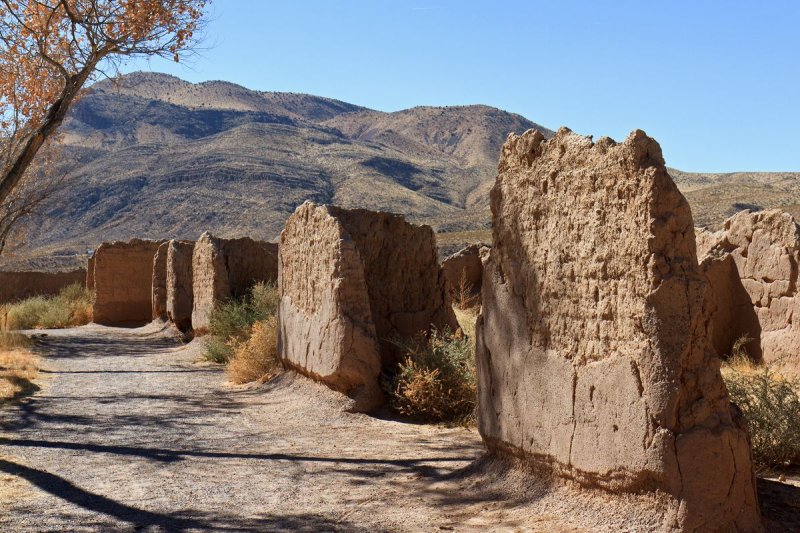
[
  {"x": 123, "y": 278},
  {"x": 16, "y": 286}
]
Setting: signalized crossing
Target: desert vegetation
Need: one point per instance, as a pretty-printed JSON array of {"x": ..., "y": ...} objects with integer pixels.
[
  {"x": 18, "y": 366},
  {"x": 436, "y": 381},
  {"x": 242, "y": 334},
  {"x": 72, "y": 306},
  {"x": 770, "y": 401}
]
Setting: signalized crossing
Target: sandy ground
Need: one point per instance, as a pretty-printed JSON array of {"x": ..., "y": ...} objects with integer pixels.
[{"x": 129, "y": 432}]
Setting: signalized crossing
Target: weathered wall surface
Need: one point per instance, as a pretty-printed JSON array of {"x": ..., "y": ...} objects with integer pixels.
[
  {"x": 89, "y": 283},
  {"x": 350, "y": 279},
  {"x": 752, "y": 269},
  {"x": 405, "y": 282},
  {"x": 592, "y": 352},
  {"x": 325, "y": 326},
  {"x": 226, "y": 268},
  {"x": 179, "y": 283},
  {"x": 123, "y": 278},
  {"x": 20, "y": 285},
  {"x": 159, "y": 284},
  {"x": 463, "y": 273}
]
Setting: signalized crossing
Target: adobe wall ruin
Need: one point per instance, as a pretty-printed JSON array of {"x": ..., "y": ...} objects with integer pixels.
[
  {"x": 123, "y": 279},
  {"x": 592, "y": 355},
  {"x": 463, "y": 273},
  {"x": 159, "y": 283},
  {"x": 228, "y": 268},
  {"x": 751, "y": 266},
  {"x": 89, "y": 282},
  {"x": 15, "y": 285},
  {"x": 350, "y": 283},
  {"x": 179, "y": 284}
]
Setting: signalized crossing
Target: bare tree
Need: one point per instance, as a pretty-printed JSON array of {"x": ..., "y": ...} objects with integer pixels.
[{"x": 49, "y": 50}]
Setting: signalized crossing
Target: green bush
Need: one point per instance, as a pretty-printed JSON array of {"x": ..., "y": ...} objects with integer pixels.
[
  {"x": 231, "y": 322},
  {"x": 771, "y": 405},
  {"x": 436, "y": 380},
  {"x": 72, "y": 306}
]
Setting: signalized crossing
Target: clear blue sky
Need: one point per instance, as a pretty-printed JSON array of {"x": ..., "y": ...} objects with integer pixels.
[{"x": 715, "y": 82}]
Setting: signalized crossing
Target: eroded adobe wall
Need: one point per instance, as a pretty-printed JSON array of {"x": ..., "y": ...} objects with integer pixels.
[
  {"x": 752, "y": 269},
  {"x": 350, "y": 283},
  {"x": 179, "y": 283},
  {"x": 463, "y": 274},
  {"x": 16, "y": 286},
  {"x": 123, "y": 278},
  {"x": 592, "y": 353},
  {"x": 159, "y": 283},
  {"x": 325, "y": 326},
  {"x": 405, "y": 282},
  {"x": 228, "y": 268},
  {"x": 89, "y": 282}
]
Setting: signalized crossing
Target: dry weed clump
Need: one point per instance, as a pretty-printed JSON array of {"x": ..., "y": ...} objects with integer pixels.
[
  {"x": 18, "y": 366},
  {"x": 466, "y": 294},
  {"x": 437, "y": 380},
  {"x": 72, "y": 306},
  {"x": 255, "y": 359},
  {"x": 770, "y": 401},
  {"x": 231, "y": 322}
]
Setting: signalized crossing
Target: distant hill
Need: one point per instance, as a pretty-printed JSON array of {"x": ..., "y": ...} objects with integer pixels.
[{"x": 152, "y": 156}]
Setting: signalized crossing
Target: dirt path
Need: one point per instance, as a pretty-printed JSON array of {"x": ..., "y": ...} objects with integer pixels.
[{"x": 130, "y": 433}]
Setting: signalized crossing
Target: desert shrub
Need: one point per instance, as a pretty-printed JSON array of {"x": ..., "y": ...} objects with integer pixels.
[
  {"x": 437, "y": 380},
  {"x": 231, "y": 322},
  {"x": 257, "y": 357},
  {"x": 771, "y": 404},
  {"x": 72, "y": 306}
]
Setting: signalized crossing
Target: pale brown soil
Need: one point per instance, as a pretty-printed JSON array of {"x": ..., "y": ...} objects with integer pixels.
[{"x": 129, "y": 432}]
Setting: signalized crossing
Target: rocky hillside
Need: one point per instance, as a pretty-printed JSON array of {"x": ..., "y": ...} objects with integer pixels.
[{"x": 153, "y": 156}]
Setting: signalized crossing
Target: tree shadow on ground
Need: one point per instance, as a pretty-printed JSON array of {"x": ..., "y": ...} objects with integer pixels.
[{"x": 179, "y": 521}]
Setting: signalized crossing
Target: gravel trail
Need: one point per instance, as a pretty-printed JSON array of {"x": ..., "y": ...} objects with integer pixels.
[{"x": 130, "y": 432}]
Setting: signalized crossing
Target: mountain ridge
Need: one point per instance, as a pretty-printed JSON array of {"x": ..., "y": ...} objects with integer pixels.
[{"x": 150, "y": 155}]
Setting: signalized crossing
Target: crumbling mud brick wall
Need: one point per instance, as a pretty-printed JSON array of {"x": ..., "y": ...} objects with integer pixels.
[
  {"x": 751, "y": 266},
  {"x": 592, "y": 354},
  {"x": 159, "y": 284},
  {"x": 179, "y": 284},
  {"x": 228, "y": 268},
  {"x": 16, "y": 285},
  {"x": 350, "y": 283},
  {"x": 123, "y": 279}
]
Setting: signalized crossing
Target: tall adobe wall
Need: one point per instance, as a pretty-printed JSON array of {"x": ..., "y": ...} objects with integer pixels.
[
  {"x": 228, "y": 268},
  {"x": 350, "y": 282},
  {"x": 123, "y": 279},
  {"x": 591, "y": 349}
]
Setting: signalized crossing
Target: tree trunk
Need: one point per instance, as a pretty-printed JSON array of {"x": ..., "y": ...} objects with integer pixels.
[{"x": 51, "y": 122}]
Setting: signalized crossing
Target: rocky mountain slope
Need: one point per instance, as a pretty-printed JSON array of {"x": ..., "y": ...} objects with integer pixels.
[{"x": 152, "y": 156}]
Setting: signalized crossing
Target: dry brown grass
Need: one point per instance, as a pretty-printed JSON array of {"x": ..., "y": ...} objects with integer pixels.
[
  {"x": 255, "y": 359},
  {"x": 466, "y": 320},
  {"x": 18, "y": 366},
  {"x": 466, "y": 295}
]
